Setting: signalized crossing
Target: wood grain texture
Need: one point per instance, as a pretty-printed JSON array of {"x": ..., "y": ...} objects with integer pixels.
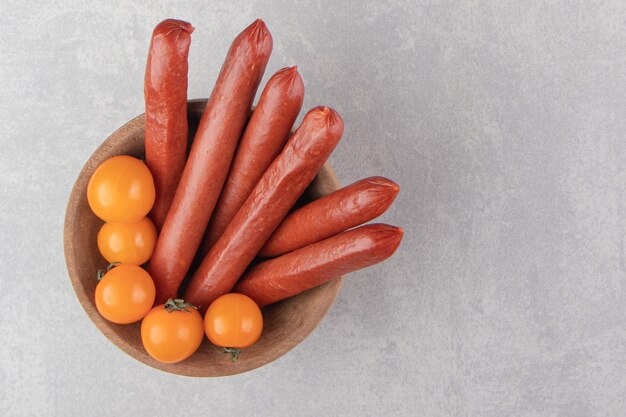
[{"x": 286, "y": 323}]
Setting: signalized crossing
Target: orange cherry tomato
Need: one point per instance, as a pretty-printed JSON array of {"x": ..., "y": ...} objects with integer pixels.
[
  {"x": 125, "y": 294},
  {"x": 121, "y": 189},
  {"x": 129, "y": 243},
  {"x": 233, "y": 321},
  {"x": 172, "y": 332}
]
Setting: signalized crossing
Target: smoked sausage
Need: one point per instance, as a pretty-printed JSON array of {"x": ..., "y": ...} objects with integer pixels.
[
  {"x": 165, "y": 93},
  {"x": 343, "y": 209},
  {"x": 211, "y": 153},
  {"x": 313, "y": 265},
  {"x": 275, "y": 193},
  {"x": 264, "y": 138}
]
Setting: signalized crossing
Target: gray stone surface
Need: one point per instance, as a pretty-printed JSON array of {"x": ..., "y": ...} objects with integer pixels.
[{"x": 502, "y": 121}]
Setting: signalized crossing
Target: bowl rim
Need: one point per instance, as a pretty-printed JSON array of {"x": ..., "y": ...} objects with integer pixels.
[{"x": 133, "y": 127}]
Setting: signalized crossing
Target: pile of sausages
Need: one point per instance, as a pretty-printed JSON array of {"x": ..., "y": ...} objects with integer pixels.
[{"x": 228, "y": 201}]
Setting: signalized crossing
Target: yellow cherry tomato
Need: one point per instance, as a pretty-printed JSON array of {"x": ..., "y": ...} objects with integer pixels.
[
  {"x": 125, "y": 294},
  {"x": 121, "y": 189},
  {"x": 172, "y": 332},
  {"x": 129, "y": 243},
  {"x": 233, "y": 321}
]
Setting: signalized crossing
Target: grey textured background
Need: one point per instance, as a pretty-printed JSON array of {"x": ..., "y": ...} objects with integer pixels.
[{"x": 503, "y": 123}]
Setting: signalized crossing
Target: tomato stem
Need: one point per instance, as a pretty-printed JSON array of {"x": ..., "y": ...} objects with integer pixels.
[
  {"x": 234, "y": 353},
  {"x": 102, "y": 272},
  {"x": 178, "y": 304}
]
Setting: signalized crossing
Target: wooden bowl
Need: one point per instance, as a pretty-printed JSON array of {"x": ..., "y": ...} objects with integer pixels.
[{"x": 286, "y": 323}]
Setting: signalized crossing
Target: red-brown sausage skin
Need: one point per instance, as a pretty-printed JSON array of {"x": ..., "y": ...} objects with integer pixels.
[
  {"x": 165, "y": 92},
  {"x": 212, "y": 151},
  {"x": 275, "y": 193},
  {"x": 341, "y": 210},
  {"x": 313, "y": 265},
  {"x": 264, "y": 138}
]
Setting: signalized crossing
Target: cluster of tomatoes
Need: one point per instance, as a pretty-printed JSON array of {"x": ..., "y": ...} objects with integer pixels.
[{"x": 121, "y": 192}]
